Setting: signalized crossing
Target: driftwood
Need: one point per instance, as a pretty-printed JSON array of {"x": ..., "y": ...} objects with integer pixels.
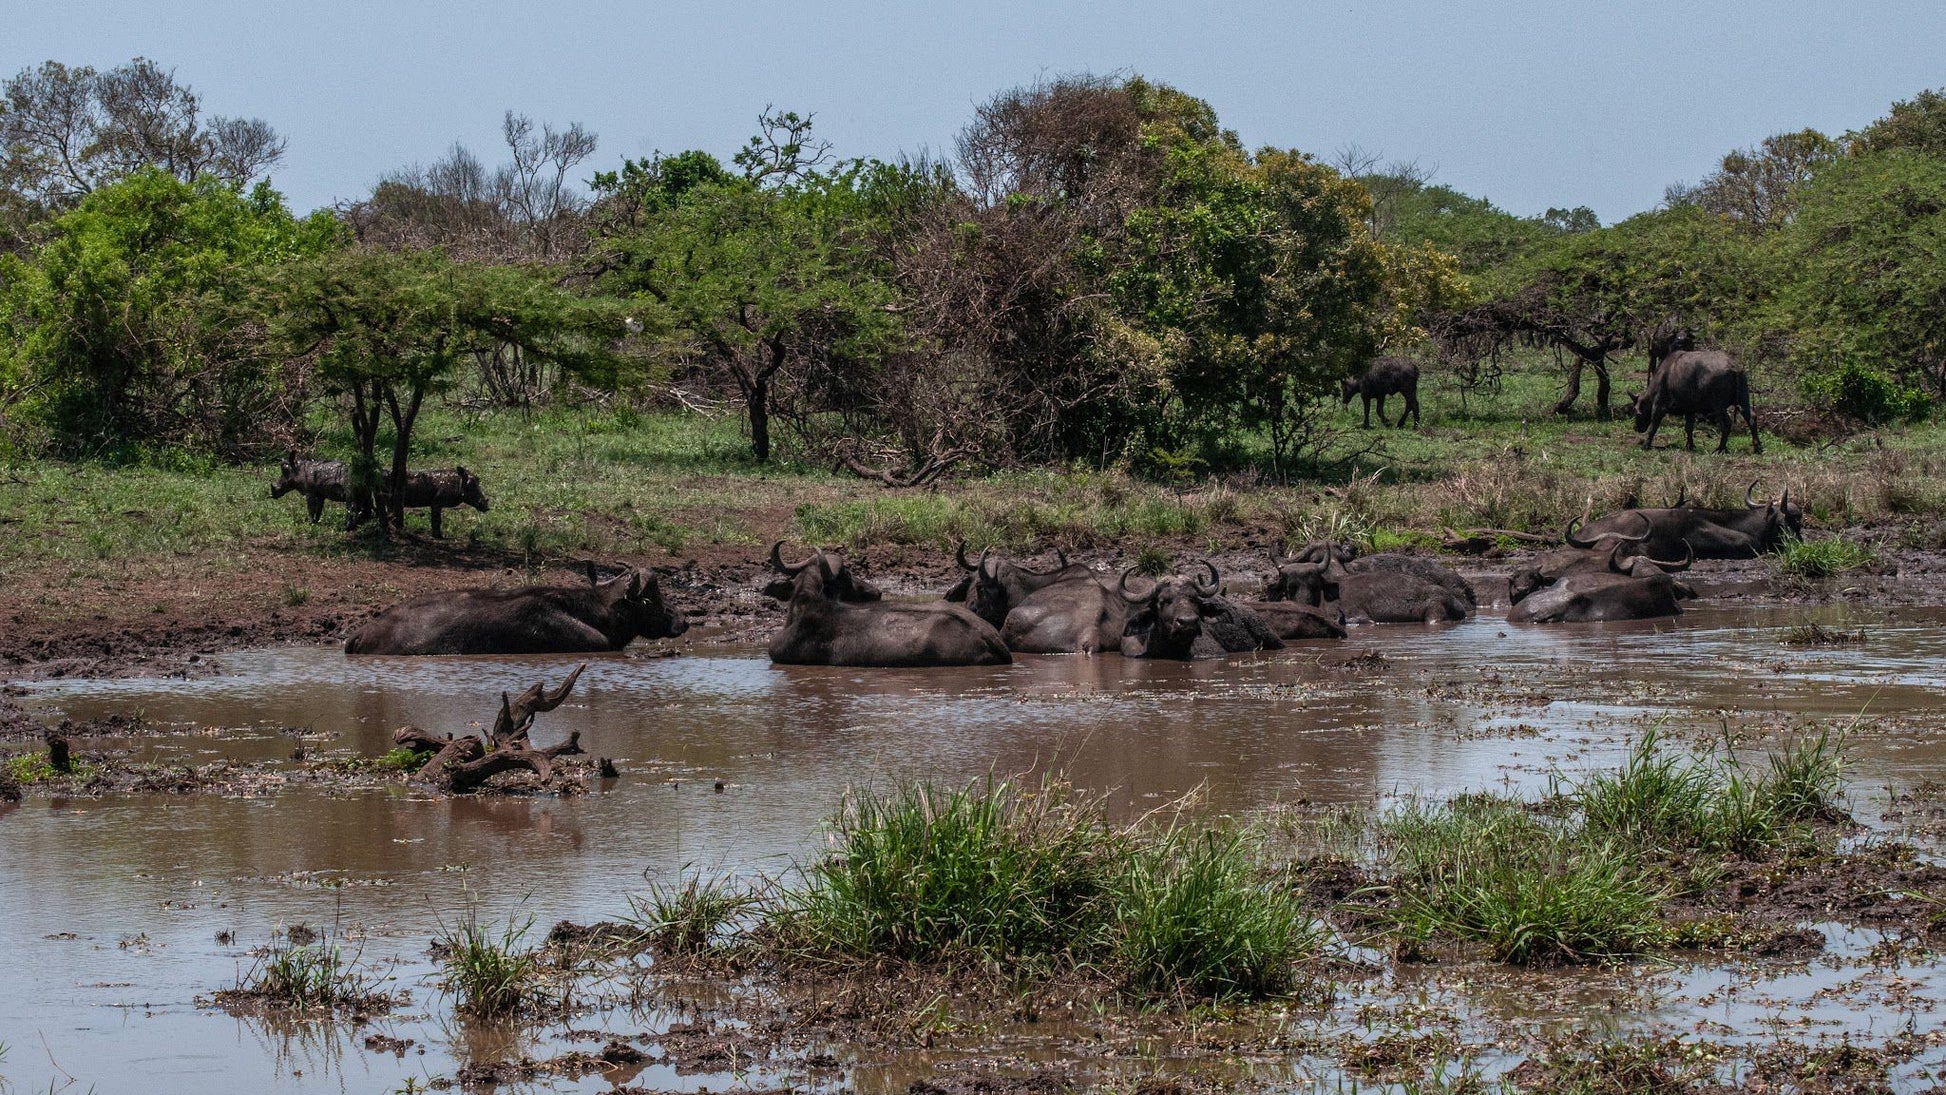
[{"x": 462, "y": 763}]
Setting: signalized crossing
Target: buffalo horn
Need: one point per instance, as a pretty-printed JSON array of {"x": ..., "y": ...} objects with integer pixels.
[
  {"x": 1747, "y": 491},
  {"x": 1568, "y": 536},
  {"x": 1785, "y": 501},
  {"x": 777, "y": 560},
  {"x": 1209, "y": 588},
  {"x": 982, "y": 568},
  {"x": 1648, "y": 529},
  {"x": 960, "y": 557},
  {"x": 1122, "y": 587},
  {"x": 1689, "y": 556}
]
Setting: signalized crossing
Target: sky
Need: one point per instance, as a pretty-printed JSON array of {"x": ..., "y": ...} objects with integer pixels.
[{"x": 1529, "y": 104}]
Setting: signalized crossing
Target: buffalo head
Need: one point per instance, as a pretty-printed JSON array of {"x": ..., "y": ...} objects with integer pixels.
[
  {"x": 1304, "y": 582},
  {"x": 1171, "y": 613},
  {"x": 1781, "y": 517},
  {"x": 636, "y": 595},
  {"x": 1348, "y": 388},
  {"x": 833, "y": 580}
]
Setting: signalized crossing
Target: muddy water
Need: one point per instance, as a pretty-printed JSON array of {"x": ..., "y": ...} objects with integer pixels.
[{"x": 115, "y": 905}]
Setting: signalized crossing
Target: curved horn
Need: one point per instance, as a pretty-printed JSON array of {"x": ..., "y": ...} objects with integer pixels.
[
  {"x": 777, "y": 560},
  {"x": 1682, "y": 497},
  {"x": 1062, "y": 556},
  {"x": 1689, "y": 556},
  {"x": 1648, "y": 529},
  {"x": 959, "y": 556},
  {"x": 1785, "y": 501},
  {"x": 1568, "y": 536},
  {"x": 1748, "y": 503},
  {"x": 1215, "y": 581},
  {"x": 982, "y": 567},
  {"x": 1122, "y": 588}
]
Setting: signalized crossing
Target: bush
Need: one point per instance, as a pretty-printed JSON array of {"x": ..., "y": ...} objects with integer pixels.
[
  {"x": 691, "y": 915},
  {"x": 1850, "y": 386},
  {"x": 1823, "y": 558}
]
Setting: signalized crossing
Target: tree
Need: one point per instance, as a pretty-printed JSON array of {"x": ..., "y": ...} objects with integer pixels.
[
  {"x": 1757, "y": 188},
  {"x": 388, "y": 328},
  {"x": 136, "y": 322},
  {"x": 67, "y": 132},
  {"x": 1917, "y": 125},
  {"x": 755, "y": 274}
]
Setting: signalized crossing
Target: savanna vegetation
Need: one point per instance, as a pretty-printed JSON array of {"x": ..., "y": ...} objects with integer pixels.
[{"x": 1099, "y": 308}]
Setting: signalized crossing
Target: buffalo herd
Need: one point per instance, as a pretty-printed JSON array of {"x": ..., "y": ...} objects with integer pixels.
[{"x": 1624, "y": 566}]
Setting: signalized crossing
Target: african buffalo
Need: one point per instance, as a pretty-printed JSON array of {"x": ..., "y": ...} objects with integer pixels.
[
  {"x": 319, "y": 481},
  {"x": 1186, "y": 618},
  {"x": 528, "y": 620},
  {"x": 1711, "y": 533},
  {"x": 1386, "y": 376},
  {"x": 1383, "y": 589},
  {"x": 1609, "y": 553},
  {"x": 439, "y": 490},
  {"x": 1692, "y": 382},
  {"x": 1294, "y": 622},
  {"x": 1068, "y": 610},
  {"x": 823, "y": 626},
  {"x": 1583, "y": 598}
]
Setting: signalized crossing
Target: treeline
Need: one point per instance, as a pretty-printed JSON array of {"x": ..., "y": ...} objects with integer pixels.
[{"x": 1098, "y": 272}]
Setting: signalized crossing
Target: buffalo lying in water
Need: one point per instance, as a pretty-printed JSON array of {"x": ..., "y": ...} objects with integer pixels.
[
  {"x": 529, "y": 620},
  {"x": 1184, "y": 618},
  {"x": 1608, "y": 553},
  {"x": 1381, "y": 589},
  {"x": 1583, "y": 598},
  {"x": 1068, "y": 610},
  {"x": 1711, "y": 533},
  {"x": 824, "y": 626}
]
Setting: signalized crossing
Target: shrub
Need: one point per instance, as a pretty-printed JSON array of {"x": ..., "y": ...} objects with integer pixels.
[
  {"x": 1851, "y": 387},
  {"x": 1823, "y": 558}
]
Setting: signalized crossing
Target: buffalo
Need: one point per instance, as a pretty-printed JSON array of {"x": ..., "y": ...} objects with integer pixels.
[
  {"x": 826, "y": 622},
  {"x": 1692, "y": 382},
  {"x": 1608, "y": 553},
  {"x": 1384, "y": 589},
  {"x": 1067, "y": 610},
  {"x": 439, "y": 490},
  {"x": 1181, "y": 617},
  {"x": 529, "y": 620},
  {"x": 319, "y": 481},
  {"x": 1711, "y": 533},
  {"x": 1386, "y": 376},
  {"x": 1584, "y": 598}
]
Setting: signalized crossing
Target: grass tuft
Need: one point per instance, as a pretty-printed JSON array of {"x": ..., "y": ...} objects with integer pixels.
[
  {"x": 1198, "y": 919},
  {"x": 692, "y": 915},
  {"x": 1819, "y": 635},
  {"x": 1823, "y": 558},
  {"x": 308, "y": 977},
  {"x": 488, "y": 969}
]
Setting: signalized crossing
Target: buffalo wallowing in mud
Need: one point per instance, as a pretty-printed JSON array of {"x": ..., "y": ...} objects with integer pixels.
[
  {"x": 1612, "y": 553},
  {"x": 1182, "y": 617},
  {"x": 1710, "y": 533},
  {"x": 1381, "y": 589},
  {"x": 1068, "y": 610},
  {"x": 827, "y": 621},
  {"x": 529, "y": 620}
]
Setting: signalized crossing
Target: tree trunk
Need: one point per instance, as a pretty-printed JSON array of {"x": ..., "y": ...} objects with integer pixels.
[
  {"x": 402, "y": 422},
  {"x": 1595, "y": 358},
  {"x": 756, "y": 399}
]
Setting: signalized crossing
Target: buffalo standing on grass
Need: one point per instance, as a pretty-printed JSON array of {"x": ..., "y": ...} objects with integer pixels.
[
  {"x": 1067, "y": 610},
  {"x": 529, "y": 620},
  {"x": 1181, "y": 617},
  {"x": 820, "y": 628},
  {"x": 1693, "y": 382},
  {"x": 1386, "y": 376},
  {"x": 1711, "y": 533}
]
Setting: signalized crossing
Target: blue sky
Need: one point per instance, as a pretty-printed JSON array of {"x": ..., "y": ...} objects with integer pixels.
[{"x": 1526, "y": 103}]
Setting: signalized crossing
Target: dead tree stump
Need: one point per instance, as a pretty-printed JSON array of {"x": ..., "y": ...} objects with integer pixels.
[{"x": 461, "y": 764}]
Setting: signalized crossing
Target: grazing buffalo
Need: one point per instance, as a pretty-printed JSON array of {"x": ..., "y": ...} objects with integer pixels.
[
  {"x": 1692, "y": 382},
  {"x": 1711, "y": 533},
  {"x": 1067, "y": 610},
  {"x": 1386, "y": 376},
  {"x": 1584, "y": 598},
  {"x": 826, "y": 624},
  {"x": 319, "y": 481},
  {"x": 439, "y": 490},
  {"x": 528, "y": 620},
  {"x": 1381, "y": 589},
  {"x": 1186, "y": 618},
  {"x": 1608, "y": 553}
]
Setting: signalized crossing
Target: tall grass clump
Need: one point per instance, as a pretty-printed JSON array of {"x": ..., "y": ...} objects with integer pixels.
[
  {"x": 923, "y": 873},
  {"x": 1823, "y": 558},
  {"x": 691, "y": 915},
  {"x": 1485, "y": 868},
  {"x": 306, "y": 977},
  {"x": 1198, "y": 918},
  {"x": 488, "y": 969}
]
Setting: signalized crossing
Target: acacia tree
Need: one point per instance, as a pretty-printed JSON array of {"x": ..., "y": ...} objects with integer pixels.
[{"x": 389, "y": 328}]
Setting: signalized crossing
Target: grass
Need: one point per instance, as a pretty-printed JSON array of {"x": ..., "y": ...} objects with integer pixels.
[
  {"x": 1816, "y": 634},
  {"x": 1823, "y": 558},
  {"x": 307, "y": 977},
  {"x": 692, "y": 915},
  {"x": 35, "y": 767},
  {"x": 1583, "y": 876},
  {"x": 488, "y": 969},
  {"x": 1197, "y": 917}
]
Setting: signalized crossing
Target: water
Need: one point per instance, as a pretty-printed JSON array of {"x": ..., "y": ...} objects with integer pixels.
[{"x": 116, "y": 903}]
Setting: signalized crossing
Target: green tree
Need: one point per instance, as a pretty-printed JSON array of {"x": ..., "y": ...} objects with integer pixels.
[
  {"x": 1917, "y": 124},
  {"x": 1757, "y": 188},
  {"x": 135, "y": 323},
  {"x": 389, "y": 328}
]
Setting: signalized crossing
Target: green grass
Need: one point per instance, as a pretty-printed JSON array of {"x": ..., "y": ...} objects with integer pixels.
[
  {"x": 308, "y": 977},
  {"x": 1197, "y": 917},
  {"x": 489, "y": 970},
  {"x": 692, "y": 915},
  {"x": 1823, "y": 558}
]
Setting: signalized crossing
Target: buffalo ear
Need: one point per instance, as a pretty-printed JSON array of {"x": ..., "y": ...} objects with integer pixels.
[
  {"x": 638, "y": 580},
  {"x": 960, "y": 589},
  {"x": 290, "y": 459}
]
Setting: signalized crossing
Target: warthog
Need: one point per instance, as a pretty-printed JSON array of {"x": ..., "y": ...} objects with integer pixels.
[
  {"x": 1067, "y": 610},
  {"x": 1711, "y": 533},
  {"x": 1186, "y": 618},
  {"x": 1609, "y": 553},
  {"x": 1583, "y": 598},
  {"x": 1383, "y": 589},
  {"x": 439, "y": 490},
  {"x": 1692, "y": 382},
  {"x": 529, "y": 620},
  {"x": 820, "y": 628},
  {"x": 1386, "y": 376},
  {"x": 319, "y": 481}
]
